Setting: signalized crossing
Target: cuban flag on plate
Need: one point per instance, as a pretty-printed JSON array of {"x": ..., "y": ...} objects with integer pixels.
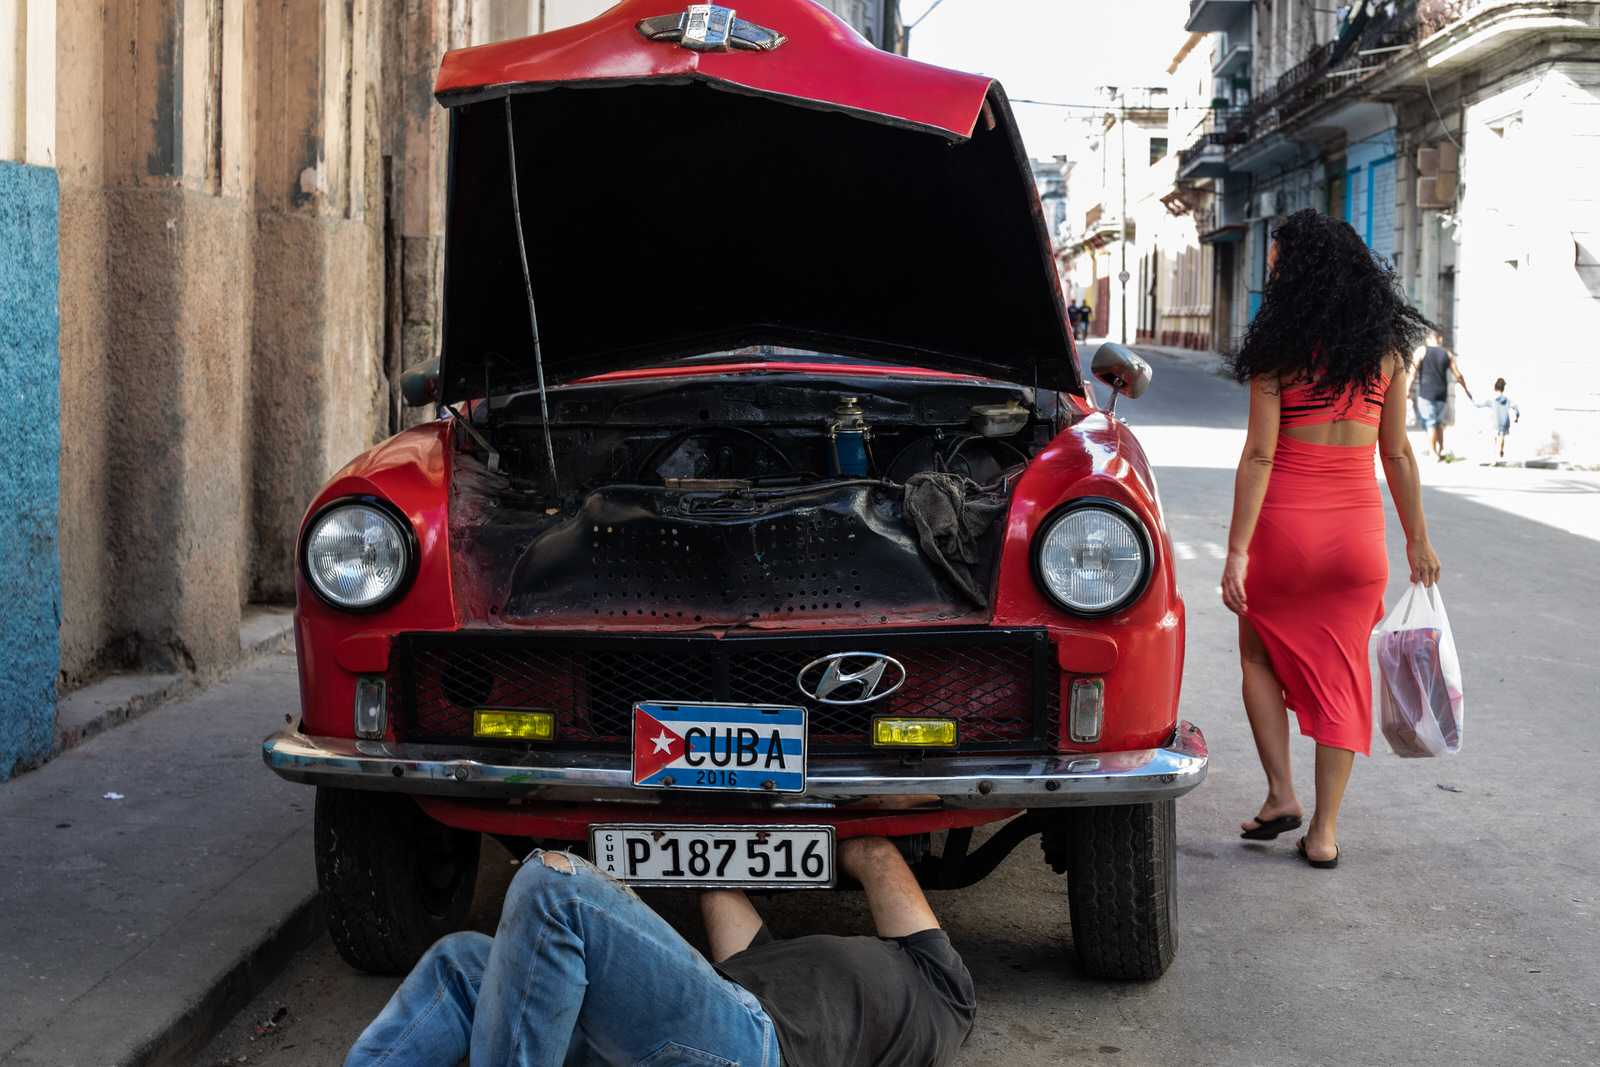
[{"x": 720, "y": 746}]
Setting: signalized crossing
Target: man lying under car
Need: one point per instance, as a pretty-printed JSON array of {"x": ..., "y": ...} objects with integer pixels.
[{"x": 582, "y": 971}]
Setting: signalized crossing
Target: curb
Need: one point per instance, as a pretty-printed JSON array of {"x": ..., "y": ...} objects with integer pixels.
[
  {"x": 159, "y": 919},
  {"x": 122, "y": 696},
  {"x": 189, "y": 1031},
  {"x": 200, "y": 982}
]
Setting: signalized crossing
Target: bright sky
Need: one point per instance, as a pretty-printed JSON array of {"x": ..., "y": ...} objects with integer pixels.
[{"x": 1057, "y": 50}]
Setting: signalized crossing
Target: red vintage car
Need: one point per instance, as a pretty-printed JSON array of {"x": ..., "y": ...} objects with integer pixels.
[{"x": 766, "y": 505}]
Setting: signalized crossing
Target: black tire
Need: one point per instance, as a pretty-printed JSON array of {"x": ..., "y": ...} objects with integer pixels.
[
  {"x": 1122, "y": 886},
  {"x": 393, "y": 880}
]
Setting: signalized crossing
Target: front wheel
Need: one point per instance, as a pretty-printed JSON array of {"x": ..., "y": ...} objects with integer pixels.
[
  {"x": 1122, "y": 886},
  {"x": 393, "y": 880}
]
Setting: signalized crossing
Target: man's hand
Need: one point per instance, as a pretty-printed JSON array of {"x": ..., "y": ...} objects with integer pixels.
[{"x": 898, "y": 906}]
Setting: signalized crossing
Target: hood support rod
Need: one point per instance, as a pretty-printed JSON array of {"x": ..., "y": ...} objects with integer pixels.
[{"x": 533, "y": 314}]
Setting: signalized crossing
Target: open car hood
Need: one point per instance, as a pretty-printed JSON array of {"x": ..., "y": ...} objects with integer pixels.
[{"x": 821, "y": 194}]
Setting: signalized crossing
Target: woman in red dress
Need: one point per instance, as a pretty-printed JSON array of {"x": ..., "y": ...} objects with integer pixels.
[{"x": 1327, "y": 359}]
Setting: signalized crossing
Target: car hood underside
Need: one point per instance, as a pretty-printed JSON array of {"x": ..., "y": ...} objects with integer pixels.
[{"x": 671, "y": 206}]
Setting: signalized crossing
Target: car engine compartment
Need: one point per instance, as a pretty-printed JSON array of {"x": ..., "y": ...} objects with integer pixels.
[{"x": 756, "y": 498}]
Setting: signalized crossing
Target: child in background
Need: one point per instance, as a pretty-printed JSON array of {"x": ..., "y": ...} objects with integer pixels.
[{"x": 1502, "y": 407}]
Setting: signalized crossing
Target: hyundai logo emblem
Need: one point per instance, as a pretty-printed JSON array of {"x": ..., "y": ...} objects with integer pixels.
[{"x": 851, "y": 677}]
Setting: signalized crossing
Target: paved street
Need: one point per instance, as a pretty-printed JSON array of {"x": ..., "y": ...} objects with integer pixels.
[{"x": 1460, "y": 927}]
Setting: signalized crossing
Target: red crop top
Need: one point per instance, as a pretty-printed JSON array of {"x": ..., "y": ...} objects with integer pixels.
[{"x": 1304, "y": 404}]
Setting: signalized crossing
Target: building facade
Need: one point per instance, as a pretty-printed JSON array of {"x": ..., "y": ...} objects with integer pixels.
[
  {"x": 1103, "y": 255},
  {"x": 1461, "y": 139},
  {"x": 220, "y": 244},
  {"x": 1175, "y": 277}
]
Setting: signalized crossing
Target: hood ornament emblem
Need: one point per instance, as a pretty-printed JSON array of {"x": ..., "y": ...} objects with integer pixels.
[
  {"x": 709, "y": 28},
  {"x": 851, "y": 678}
]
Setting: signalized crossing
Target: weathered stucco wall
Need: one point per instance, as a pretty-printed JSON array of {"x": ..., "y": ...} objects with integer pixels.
[
  {"x": 88, "y": 406},
  {"x": 1534, "y": 246},
  {"x": 319, "y": 395},
  {"x": 157, "y": 310},
  {"x": 241, "y": 187},
  {"x": 30, "y": 573}
]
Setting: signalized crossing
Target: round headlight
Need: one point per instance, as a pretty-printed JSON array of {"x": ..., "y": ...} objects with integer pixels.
[
  {"x": 358, "y": 555},
  {"x": 1093, "y": 558}
]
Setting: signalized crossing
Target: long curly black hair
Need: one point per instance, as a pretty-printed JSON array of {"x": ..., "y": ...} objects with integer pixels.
[{"x": 1331, "y": 309}]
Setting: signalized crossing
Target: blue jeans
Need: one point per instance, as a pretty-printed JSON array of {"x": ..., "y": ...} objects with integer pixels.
[{"x": 581, "y": 971}]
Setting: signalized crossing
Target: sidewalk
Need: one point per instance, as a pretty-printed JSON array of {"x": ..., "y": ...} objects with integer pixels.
[
  {"x": 155, "y": 876},
  {"x": 1209, "y": 360},
  {"x": 1470, "y": 439}
]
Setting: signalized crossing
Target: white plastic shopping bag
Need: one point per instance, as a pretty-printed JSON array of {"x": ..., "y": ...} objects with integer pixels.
[{"x": 1420, "y": 694}]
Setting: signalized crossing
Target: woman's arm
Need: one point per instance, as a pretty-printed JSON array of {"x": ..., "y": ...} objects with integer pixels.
[
  {"x": 1250, "y": 485},
  {"x": 1405, "y": 484}
]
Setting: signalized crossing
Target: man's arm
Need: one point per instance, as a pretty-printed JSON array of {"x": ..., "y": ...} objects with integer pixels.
[
  {"x": 1457, "y": 372},
  {"x": 731, "y": 921},
  {"x": 898, "y": 906}
]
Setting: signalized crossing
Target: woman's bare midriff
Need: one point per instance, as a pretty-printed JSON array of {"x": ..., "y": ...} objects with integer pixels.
[{"x": 1347, "y": 433}]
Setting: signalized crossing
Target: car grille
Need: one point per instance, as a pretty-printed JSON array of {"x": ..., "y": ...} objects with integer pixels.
[{"x": 1002, "y": 686}]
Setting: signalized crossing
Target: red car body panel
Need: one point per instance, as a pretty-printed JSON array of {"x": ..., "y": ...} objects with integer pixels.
[
  {"x": 1137, "y": 652},
  {"x": 571, "y": 822},
  {"x": 811, "y": 470},
  {"x": 411, "y": 471},
  {"x": 823, "y": 61},
  {"x": 1097, "y": 457}
]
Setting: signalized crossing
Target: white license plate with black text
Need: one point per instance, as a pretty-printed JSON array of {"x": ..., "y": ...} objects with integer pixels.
[{"x": 662, "y": 855}]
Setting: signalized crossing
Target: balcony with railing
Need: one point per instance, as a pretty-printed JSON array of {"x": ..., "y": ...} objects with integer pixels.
[
  {"x": 1207, "y": 157},
  {"x": 1231, "y": 62},
  {"x": 1209, "y": 16},
  {"x": 1103, "y": 225},
  {"x": 1363, "y": 47}
]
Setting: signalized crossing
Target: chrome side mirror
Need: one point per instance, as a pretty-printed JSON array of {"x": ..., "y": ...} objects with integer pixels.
[
  {"x": 419, "y": 385},
  {"x": 1123, "y": 371}
]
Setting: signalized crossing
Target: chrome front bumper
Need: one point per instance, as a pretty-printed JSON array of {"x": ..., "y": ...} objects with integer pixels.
[{"x": 984, "y": 781}]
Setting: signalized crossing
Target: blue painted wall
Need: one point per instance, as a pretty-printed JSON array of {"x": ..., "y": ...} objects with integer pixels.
[
  {"x": 1369, "y": 191},
  {"x": 30, "y": 441}
]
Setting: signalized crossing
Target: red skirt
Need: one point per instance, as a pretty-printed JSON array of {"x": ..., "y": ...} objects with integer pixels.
[{"x": 1315, "y": 584}]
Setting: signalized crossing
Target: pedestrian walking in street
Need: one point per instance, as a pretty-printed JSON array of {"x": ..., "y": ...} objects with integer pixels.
[
  {"x": 1434, "y": 362},
  {"x": 1085, "y": 316},
  {"x": 581, "y": 970},
  {"x": 1074, "y": 313},
  {"x": 1326, "y": 359},
  {"x": 1502, "y": 408}
]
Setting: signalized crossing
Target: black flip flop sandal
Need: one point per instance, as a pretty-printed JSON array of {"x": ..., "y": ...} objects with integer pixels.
[
  {"x": 1322, "y": 865},
  {"x": 1266, "y": 831}
]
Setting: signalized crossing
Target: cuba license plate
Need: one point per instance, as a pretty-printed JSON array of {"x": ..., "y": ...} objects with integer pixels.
[
  {"x": 732, "y": 856},
  {"x": 758, "y": 749}
]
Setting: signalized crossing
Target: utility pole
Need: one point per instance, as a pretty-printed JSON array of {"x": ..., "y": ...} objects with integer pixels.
[
  {"x": 1122, "y": 275},
  {"x": 1120, "y": 95}
]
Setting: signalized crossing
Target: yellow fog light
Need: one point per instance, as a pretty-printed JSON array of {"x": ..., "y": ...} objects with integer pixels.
[
  {"x": 914, "y": 733},
  {"x": 514, "y": 725}
]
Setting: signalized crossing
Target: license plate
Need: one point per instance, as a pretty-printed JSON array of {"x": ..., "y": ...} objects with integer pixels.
[
  {"x": 663, "y": 855},
  {"x": 757, "y": 749}
]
